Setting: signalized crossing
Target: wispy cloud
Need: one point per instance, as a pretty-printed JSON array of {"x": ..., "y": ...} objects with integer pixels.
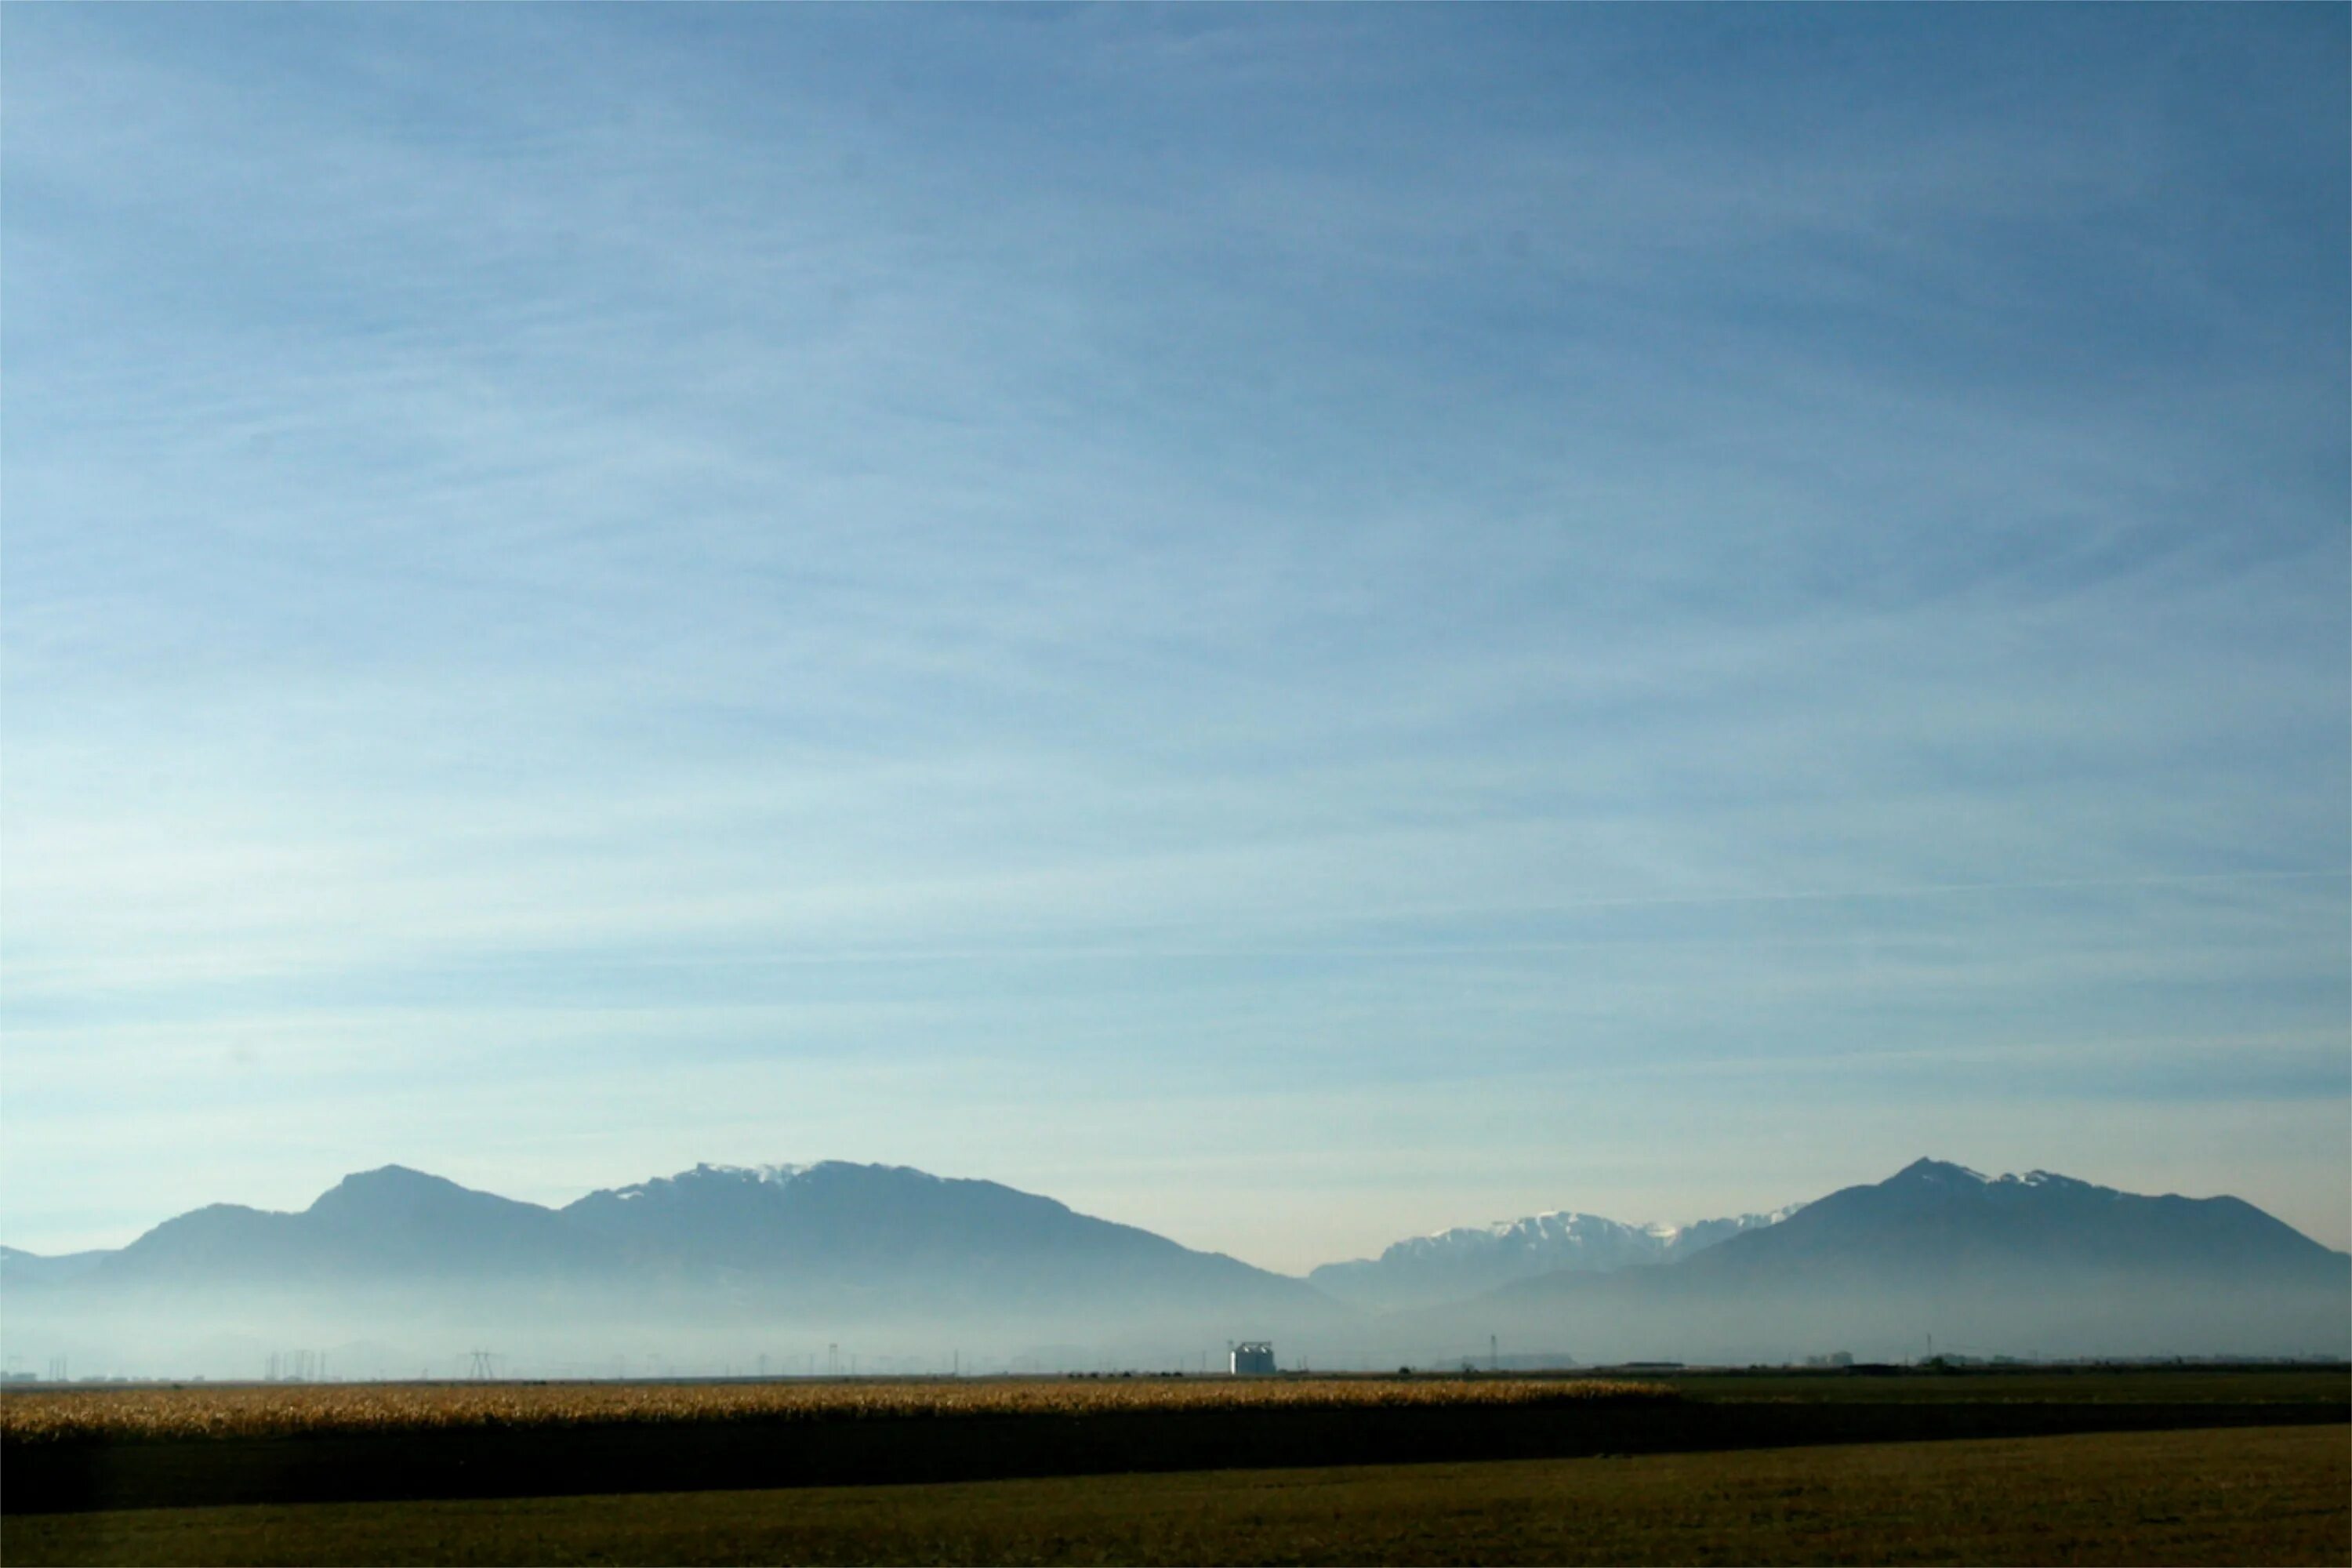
[{"x": 1369, "y": 560}]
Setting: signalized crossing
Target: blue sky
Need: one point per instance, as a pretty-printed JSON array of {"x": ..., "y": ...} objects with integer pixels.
[{"x": 1294, "y": 626}]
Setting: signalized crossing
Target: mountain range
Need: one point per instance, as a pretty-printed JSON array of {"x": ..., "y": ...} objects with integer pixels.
[
  {"x": 714, "y": 1256},
  {"x": 1425, "y": 1270},
  {"x": 723, "y": 1258},
  {"x": 2038, "y": 1264}
]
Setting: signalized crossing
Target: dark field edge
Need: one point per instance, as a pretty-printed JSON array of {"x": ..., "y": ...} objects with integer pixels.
[{"x": 55, "y": 1477}]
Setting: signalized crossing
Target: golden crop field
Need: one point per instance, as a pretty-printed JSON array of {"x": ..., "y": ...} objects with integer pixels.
[{"x": 138, "y": 1414}]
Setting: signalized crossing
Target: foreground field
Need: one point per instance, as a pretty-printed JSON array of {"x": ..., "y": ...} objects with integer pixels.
[
  {"x": 2249, "y": 1496},
  {"x": 119, "y": 1448},
  {"x": 176, "y": 1412},
  {"x": 2274, "y": 1383}
]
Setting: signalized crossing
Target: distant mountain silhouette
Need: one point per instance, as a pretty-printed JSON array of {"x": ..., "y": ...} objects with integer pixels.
[
  {"x": 930, "y": 1241},
  {"x": 720, "y": 1259},
  {"x": 1940, "y": 1221},
  {"x": 2016, "y": 1265},
  {"x": 388, "y": 1224},
  {"x": 1452, "y": 1265},
  {"x": 830, "y": 1250}
]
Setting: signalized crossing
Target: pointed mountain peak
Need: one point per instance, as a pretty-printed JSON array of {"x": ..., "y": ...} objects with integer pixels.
[
  {"x": 390, "y": 1179},
  {"x": 395, "y": 1176},
  {"x": 1938, "y": 1172},
  {"x": 393, "y": 1190}
]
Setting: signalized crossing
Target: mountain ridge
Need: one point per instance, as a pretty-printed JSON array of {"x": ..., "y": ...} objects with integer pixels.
[
  {"x": 2011, "y": 1265},
  {"x": 741, "y": 1256},
  {"x": 1463, "y": 1261},
  {"x": 365, "y": 1194},
  {"x": 826, "y": 1248}
]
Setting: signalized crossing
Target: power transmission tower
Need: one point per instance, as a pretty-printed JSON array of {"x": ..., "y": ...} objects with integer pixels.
[{"x": 482, "y": 1369}]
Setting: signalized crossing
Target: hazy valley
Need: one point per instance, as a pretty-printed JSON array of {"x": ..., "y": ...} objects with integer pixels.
[{"x": 836, "y": 1266}]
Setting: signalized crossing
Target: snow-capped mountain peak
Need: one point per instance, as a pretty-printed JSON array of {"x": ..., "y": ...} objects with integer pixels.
[
  {"x": 1447, "y": 1265},
  {"x": 774, "y": 1175},
  {"x": 704, "y": 1173}
]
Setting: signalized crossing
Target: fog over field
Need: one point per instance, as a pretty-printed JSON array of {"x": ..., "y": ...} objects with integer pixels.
[{"x": 834, "y": 1268}]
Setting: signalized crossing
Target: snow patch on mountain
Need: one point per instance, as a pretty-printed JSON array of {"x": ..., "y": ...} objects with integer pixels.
[
  {"x": 772, "y": 1176},
  {"x": 1451, "y": 1264},
  {"x": 779, "y": 1175},
  {"x": 1943, "y": 1173}
]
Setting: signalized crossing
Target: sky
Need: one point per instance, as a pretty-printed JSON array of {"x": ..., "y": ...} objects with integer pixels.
[{"x": 1294, "y": 626}]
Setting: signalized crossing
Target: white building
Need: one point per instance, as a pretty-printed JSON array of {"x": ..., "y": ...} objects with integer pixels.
[{"x": 1253, "y": 1355}]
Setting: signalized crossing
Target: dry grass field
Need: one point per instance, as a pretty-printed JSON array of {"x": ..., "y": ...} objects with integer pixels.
[
  {"x": 2253, "y": 1495},
  {"x": 2141, "y": 1465},
  {"x": 245, "y": 1411}
]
